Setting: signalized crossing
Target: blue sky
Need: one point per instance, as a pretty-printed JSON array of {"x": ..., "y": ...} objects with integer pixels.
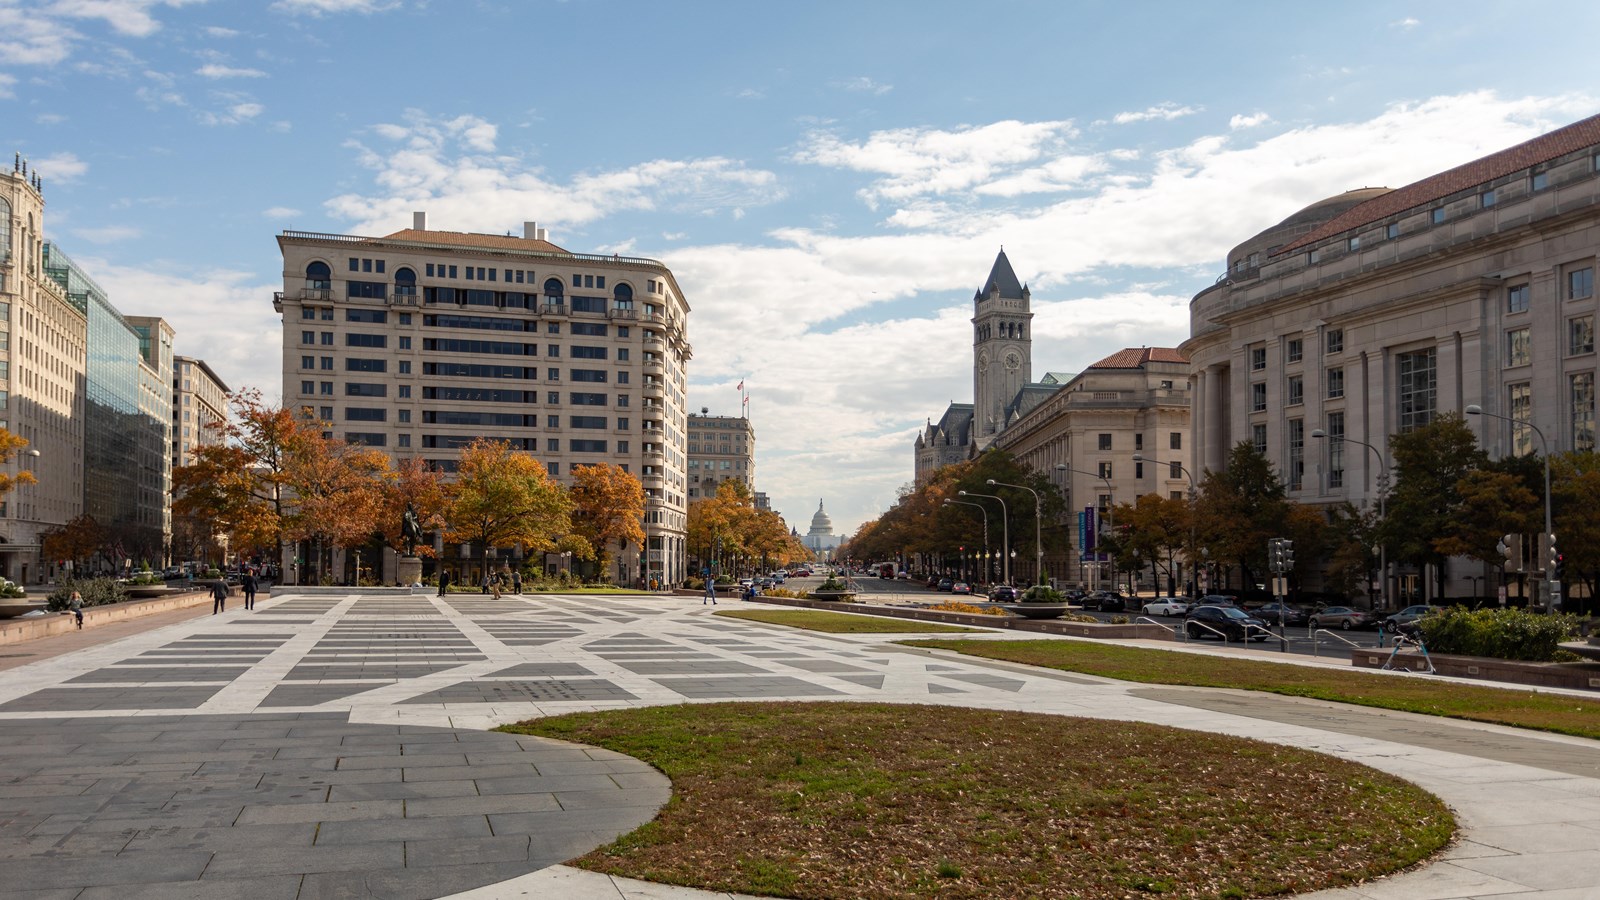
[{"x": 829, "y": 181}]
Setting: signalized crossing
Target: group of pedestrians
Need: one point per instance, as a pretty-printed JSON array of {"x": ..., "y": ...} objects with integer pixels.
[
  {"x": 494, "y": 583},
  {"x": 247, "y": 584}
]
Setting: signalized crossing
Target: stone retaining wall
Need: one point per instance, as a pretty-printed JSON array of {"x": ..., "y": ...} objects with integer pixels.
[
  {"x": 14, "y": 631},
  {"x": 1581, "y": 676},
  {"x": 1011, "y": 623}
]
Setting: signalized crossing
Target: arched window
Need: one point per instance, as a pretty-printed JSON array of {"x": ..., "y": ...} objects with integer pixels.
[
  {"x": 553, "y": 291},
  {"x": 622, "y": 296},
  {"x": 405, "y": 281},
  {"x": 5, "y": 229},
  {"x": 319, "y": 277}
]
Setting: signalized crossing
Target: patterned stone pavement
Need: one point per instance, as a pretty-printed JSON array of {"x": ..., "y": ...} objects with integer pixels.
[{"x": 337, "y": 746}]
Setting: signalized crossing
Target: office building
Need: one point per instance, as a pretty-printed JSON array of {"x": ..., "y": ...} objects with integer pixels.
[
  {"x": 721, "y": 448},
  {"x": 199, "y": 403},
  {"x": 420, "y": 341}
]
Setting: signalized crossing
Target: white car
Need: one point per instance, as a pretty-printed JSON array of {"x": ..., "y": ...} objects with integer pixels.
[{"x": 1166, "y": 606}]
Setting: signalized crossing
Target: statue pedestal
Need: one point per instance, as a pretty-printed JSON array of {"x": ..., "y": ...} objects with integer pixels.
[{"x": 408, "y": 570}]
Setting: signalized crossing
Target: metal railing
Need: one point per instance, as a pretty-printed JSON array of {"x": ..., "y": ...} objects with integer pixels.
[
  {"x": 1172, "y": 628},
  {"x": 1315, "y": 643}
]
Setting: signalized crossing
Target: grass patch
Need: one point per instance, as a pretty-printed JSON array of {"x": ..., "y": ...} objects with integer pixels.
[
  {"x": 817, "y": 800},
  {"x": 1522, "y": 709},
  {"x": 840, "y": 623}
]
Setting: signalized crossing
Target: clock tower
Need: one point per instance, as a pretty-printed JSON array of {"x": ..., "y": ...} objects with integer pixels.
[{"x": 1002, "y": 349}]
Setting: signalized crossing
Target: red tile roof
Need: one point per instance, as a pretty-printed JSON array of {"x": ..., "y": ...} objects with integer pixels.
[
  {"x": 1136, "y": 357},
  {"x": 1577, "y": 136},
  {"x": 464, "y": 239}
]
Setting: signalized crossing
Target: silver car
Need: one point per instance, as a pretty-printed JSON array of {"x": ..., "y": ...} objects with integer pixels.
[{"x": 1166, "y": 606}]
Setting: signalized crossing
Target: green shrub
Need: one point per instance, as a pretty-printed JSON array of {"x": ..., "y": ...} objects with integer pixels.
[
  {"x": 11, "y": 590},
  {"x": 694, "y": 584},
  {"x": 1499, "y": 633},
  {"x": 95, "y": 592},
  {"x": 833, "y": 584},
  {"x": 145, "y": 579},
  {"x": 1043, "y": 593}
]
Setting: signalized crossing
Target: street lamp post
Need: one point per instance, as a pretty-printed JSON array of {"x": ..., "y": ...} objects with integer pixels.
[
  {"x": 1005, "y": 530},
  {"x": 1038, "y": 512},
  {"x": 1383, "y": 499},
  {"x": 1110, "y": 522},
  {"x": 1544, "y": 450},
  {"x": 1193, "y": 567},
  {"x": 985, "y": 510}
]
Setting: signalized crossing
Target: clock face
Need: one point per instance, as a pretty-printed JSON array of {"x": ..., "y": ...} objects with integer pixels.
[{"x": 1013, "y": 362}]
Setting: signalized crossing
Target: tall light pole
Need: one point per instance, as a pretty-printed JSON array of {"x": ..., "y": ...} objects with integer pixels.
[
  {"x": 1110, "y": 524},
  {"x": 1005, "y": 530},
  {"x": 1193, "y": 568},
  {"x": 1544, "y": 449},
  {"x": 1038, "y": 514},
  {"x": 1383, "y": 501},
  {"x": 985, "y": 510}
]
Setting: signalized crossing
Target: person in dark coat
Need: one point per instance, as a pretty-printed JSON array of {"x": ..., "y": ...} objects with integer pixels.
[
  {"x": 516, "y": 581},
  {"x": 444, "y": 583},
  {"x": 249, "y": 584},
  {"x": 219, "y": 597}
]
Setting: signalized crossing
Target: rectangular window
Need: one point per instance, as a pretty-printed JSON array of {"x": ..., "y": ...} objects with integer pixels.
[
  {"x": 366, "y": 340},
  {"x": 1335, "y": 340},
  {"x": 1175, "y": 470},
  {"x": 587, "y": 399},
  {"x": 1335, "y": 449},
  {"x": 402, "y": 440},
  {"x": 308, "y": 362},
  {"x": 1105, "y": 442},
  {"x": 1539, "y": 181},
  {"x": 577, "y": 446},
  {"x": 360, "y": 389},
  {"x": 577, "y": 281},
  {"x": 552, "y": 445},
  {"x": 1138, "y": 440},
  {"x": 1258, "y": 438},
  {"x": 1580, "y": 334},
  {"x": 589, "y": 375},
  {"x": 622, "y": 354},
  {"x": 374, "y": 290},
  {"x": 1258, "y": 359},
  {"x": 553, "y": 468},
  {"x": 1335, "y": 381},
  {"x": 354, "y": 364},
  {"x": 1583, "y": 411},
  {"x": 326, "y": 363},
  {"x": 622, "y": 400},
  {"x": 552, "y": 421},
  {"x": 589, "y": 353},
  {"x": 1353, "y": 244},
  {"x": 1417, "y": 389},
  {"x": 1519, "y": 347},
  {"x": 1580, "y": 284},
  {"x": 553, "y": 351},
  {"x": 1105, "y": 470},
  {"x": 1175, "y": 441},
  {"x": 308, "y": 387},
  {"x": 1297, "y": 454},
  {"x": 405, "y": 367},
  {"x": 368, "y": 316},
  {"x": 430, "y": 270},
  {"x": 1519, "y": 403},
  {"x": 552, "y": 375},
  {"x": 355, "y": 264},
  {"x": 1391, "y": 230},
  {"x": 587, "y": 421},
  {"x": 1258, "y": 397},
  {"x": 1297, "y": 390},
  {"x": 469, "y": 274},
  {"x": 1486, "y": 199},
  {"x": 1437, "y": 216},
  {"x": 325, "y": 413},
  {"x": 452, "y": 271},
  {"x": 622, "y": 446},
  {"x": 308, "y": 337},
  {"x": 365, "y": 414},
  {"x": 327, "y": 339},
  {"x": 1517, "y": 298},
  {"x": 1294, "y": 348},
  {"x": 404, "y": 391},
  {"x": 405, "y": 343},
  {"x": 623, "y": 424}
]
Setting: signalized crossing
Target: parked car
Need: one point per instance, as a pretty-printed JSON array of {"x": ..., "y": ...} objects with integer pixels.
[
  {"x": 1166, "y": 606},
  {"x": 765, "y": 583},
  {"x": 1234, "y": 623},
  {"x": 1342, "y": 617},
  {"x": 1004, "y": 593},
  {"x": 961, "y": 587},
  {"x": 1105, "y": 601},
  {"x": 1407, "y": 616},
  {"x": 945, "y": 584},
  {"x": 1218, "y": 600},
  {"x": 1275, "y": 612}
]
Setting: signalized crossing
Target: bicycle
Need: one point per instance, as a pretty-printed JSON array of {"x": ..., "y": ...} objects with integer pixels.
[{"x": 1409, "y": 637}]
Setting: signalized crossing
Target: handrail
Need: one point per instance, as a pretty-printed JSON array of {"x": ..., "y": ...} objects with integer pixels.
[
  {"x": 1171, "y": 628},
  {"x": 1218, "y": 633},
  {"x": 1315, "y": 642}
]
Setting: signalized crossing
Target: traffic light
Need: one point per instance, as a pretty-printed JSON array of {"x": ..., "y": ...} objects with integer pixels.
[
  {"x": 1561, "y": 565},
  {"x": 1552, "y": 555},
  {"x": 1274, "y": 556},
  {"x": 1286, "y": 554}
]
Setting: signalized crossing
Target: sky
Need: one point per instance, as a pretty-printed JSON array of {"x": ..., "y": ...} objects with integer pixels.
[{"x": 828, "y": 181}]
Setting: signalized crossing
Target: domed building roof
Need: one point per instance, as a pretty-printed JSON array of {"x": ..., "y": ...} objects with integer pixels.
[
  {"x": 820, "y": 523},
  {"x": 1302, "y": 223}
]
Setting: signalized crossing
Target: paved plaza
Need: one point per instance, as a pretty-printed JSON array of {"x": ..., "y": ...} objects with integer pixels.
[{"x": 338, "y": 746}]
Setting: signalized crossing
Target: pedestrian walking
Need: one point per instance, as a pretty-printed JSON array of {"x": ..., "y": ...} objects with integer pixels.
[
  {"x": 711, "y": 592},
  {"x": 516, "y": 581},
  {"x": 219, "y": 597},
  {"x": 76, "y": 605},
  {"x": 249, "y": 584},
  {"x": 494, "y": 585},
  {"x": 485, "y": 585},
  {"x": 444, "y": 582}
]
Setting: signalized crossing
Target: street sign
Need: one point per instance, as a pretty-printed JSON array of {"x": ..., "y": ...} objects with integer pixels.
[{"x": 1089, "y": 529}]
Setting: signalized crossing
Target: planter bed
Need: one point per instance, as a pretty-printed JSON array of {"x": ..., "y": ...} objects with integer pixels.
[
  {"x": 1580, "y": 676},
  {"x": 1011, "y": 623}
]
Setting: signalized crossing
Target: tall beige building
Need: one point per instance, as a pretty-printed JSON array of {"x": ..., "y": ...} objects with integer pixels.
[
  {"x": 721, "y": 448},
  {"x": 155, "y": 402},
  {"x": 420, "y": 341},
  {"x": 199, "y": 401},
  {"x": 43, "y": 358},
  {"x": 1367, "y": 314}
]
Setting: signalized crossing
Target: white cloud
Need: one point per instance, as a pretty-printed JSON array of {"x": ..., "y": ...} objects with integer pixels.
[
  {"x": 46, "y": 118},
  {"x": 62, "y": 167},
  {"x": 236, "y": 111},
  {"x": 1406, "y": 24},
  {"x": 109, "y": 234},
  {"x": 216, "y": 71},
  {"x": 449, "y": 168},
  {"x": 333, "y": 7},
  {"x": 861, "y": 84},
  {"x": 217, "y": 31},
  {"x": 1243, "y": 121},
  {"x": 280, "y": 212},
  {"x": 1163, "y": 112},
  {"x": 750, "y": 94},
  {"x": 128, "y": 17},
  {"x": 30, "y": 38},
  {"x": 6, "y": 83}
]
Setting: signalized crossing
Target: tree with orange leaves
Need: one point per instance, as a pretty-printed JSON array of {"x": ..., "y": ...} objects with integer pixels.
[
  {"x": 503, "y": 496},
  {"x": 608, "y": 508},
  {"x": 421, "y": 487},
  {"x": 341, "y": 490}
]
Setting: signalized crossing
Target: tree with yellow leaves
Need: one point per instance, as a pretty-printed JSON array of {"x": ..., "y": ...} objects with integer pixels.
[
  {"x": 10, "y": 446},
  {"x": 503, "y": 496},
  {"x": 607, "y": 509}
]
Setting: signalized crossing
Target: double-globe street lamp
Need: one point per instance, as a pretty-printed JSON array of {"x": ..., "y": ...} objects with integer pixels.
[
  {"x": 1038, "y": 512},
  {"x": 1111, "y": 498},
  {"x": 985, "y": 511},
  {"x": 1549, "y": 528},
  {"x": 1383, "y": 499},
  {"x": 1193, "y": 567},
  {"x": 1005, "y": 530}
]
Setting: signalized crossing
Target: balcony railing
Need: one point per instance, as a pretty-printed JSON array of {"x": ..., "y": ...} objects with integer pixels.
[
  {"x": 623, "y": 313},
  {"x": 555, "y": 309}
]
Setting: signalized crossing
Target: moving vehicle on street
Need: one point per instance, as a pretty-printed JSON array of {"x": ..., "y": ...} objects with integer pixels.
[
  {"x": 1166, "y": 606},
  {"x": 1341, "y": 617},
  {"x": 1275, "y": 613},
  {"x": 945, "y": 584},
  {"x": 1407, "y": 616},
  {"x": 1004, "y": 593},
  {"x": 961, "y": 587},
  {"x": 1105, "y": 601},
  {"x": 1234, "y": 624}
]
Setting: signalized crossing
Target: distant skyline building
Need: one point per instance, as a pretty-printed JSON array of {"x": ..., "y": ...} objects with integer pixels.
[
  {"x": 721, "y": 448},
  {"x": 820, "y": 539},
  {"x": 199, "y": 401},
  {"x": 155, "y": 401}
]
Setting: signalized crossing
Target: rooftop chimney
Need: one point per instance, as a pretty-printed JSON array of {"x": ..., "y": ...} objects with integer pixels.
[
  {"x": 541, "y": 235},
  {"x": 530, "y": 231},
  {"x": 419, "y": 221}
]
